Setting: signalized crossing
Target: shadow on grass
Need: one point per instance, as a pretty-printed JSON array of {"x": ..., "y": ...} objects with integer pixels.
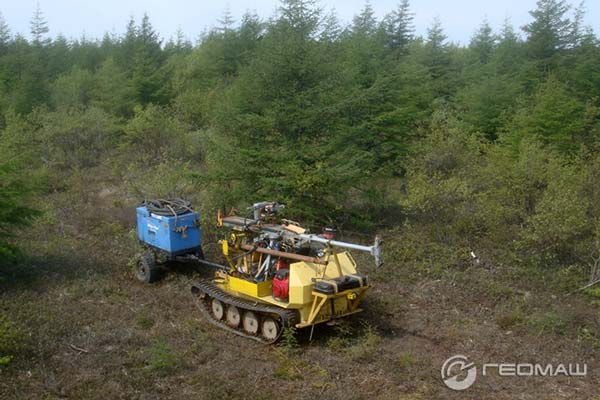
[
  {"x": 375, "y": 318},
  {"x": 35, "y": 272}
]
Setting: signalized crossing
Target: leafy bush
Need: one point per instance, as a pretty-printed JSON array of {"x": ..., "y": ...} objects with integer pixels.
[
  {"x": 17, "y": 185},
  {"x": 155, "y": 135},
  {"x": 73, "y": 138},
  {"x": 73, "y": 90},
  {"x": 9, "y": 340},
  {"x": 366, "y": 345},
  {"x": 560, "y": 223}
]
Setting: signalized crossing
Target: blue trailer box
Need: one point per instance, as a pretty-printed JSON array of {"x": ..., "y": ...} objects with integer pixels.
[{"x": 174, "y": 234}]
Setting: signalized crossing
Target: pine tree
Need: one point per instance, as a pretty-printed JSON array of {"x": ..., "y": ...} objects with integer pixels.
[
  {"x": 436, "y": 50},
  {"x": 17, "y": 189},
  {"x": 302, "y": 17},
  {"x": 226, "y": 21},
  {"x": 39, "y": 27},
  {"x": 365, "y": 22},
  {"x": 508, "y": 56},
  {"x": 556, "y": 117},
  {"x": 178, "y": 45},
  {"x": 331, "y": 28},
  {"x": 550, "y": 30},
  {"x": 249, "y": 33},
  {"x": 59, "y": 57},
  {"x": 146, "y": 79},
  {"x": 112, "y": 93},
  {"x": 585, "y": 71},
  {"x": 399, "y": 27},
  {"x": 4, "y": 34},
  {"x": 483, "y": 42},
  {"x": 181, "y": 42},
  {"x": 436, "y": 37},
  {"x": 507, "y": 33},
  {"x": 577, "y": 30},
  {"x": 366, "y": 46},
  {"x": 127, "y": 47}
]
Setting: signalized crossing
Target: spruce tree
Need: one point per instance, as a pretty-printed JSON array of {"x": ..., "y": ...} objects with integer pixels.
[
  {"x": 39, "y": 27},
  {"x": 436, "y": 50},
  {"x": 483, "y": 42},
  {"x": 331, "y": 28},
  {"x": 4, "y": 34},
  {"x": 226, "y": 21},
  {"x": 550, "y": 30},
  {"x": 147, "y": 79},
  {"x": 365, "y": 22},
  {"x": 399, "y": 27}
]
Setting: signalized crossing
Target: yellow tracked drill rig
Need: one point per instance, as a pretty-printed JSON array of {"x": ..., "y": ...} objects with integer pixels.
[{"x": 279, "y": 275}]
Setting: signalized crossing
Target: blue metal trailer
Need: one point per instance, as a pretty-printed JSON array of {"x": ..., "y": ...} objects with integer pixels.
[{"x": 169, "y": 230}]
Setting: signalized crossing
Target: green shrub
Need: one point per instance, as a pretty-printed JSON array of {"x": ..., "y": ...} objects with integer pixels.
[
  {"x": 560, "y": 221},
  {"x": 155, "y": 135},
  {"x": 548, "y": 323},
  {"x": 366, "y": 345},
  {"x": 73, "y": 138},
  {"x": 10, "y": 340},
  {"x": 289, "y": 341},
  {"x": 163, "y": 359},
  {"x": 510, "y": 319},
  {"x": 144, "y": 320},
  {"x": 73, "y": 89},
  {"x": 406, "y": 360}
]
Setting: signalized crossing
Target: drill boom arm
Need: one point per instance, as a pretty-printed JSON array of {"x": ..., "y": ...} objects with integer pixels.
[{"x": 374, "y": 250}]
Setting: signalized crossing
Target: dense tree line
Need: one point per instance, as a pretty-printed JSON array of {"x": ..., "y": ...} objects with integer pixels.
[{"x": 491, "y": 145}]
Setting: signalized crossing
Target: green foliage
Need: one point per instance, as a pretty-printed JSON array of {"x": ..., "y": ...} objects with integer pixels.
[
  {"x": 406, "y": 360},
  {"x": 551, "y": 29},
  {"x": 73, "y": 90},
  {"x": 488, "y": 148},
  {"x": 17, "y": 185},
  {"x": 10, "y": 340},
  {"x": 289, "y": 341},
  {"x": 163, "y": 359},
  {"x": 556, "y": 117},
  {"x": 112, "y": 91},
  {"x": 560, "y": 222},
  {"x": 548, "y": 323},
  {"x": 488, "y": 100},
  {"x": 156, "y": 135},
  {"x": 511, "y": 319},
  {"x": 144, "y": 320},
  {"x": 74, "y": 138},
  {"x": 366, "y": 346}
]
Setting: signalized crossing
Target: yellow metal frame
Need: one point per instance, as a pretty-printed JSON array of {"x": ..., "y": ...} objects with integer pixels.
[
  {"x": 310, "y": 303},
  {"x": 354, "y": 297},
  {"x": 259, "y": 289}
]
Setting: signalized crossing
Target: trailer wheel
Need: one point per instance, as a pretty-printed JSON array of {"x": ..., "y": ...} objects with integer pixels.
[{"x": 147, "y": 270}]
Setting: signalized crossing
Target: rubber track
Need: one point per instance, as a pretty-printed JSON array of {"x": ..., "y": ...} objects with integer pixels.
[{"x": 285, "y": 317}]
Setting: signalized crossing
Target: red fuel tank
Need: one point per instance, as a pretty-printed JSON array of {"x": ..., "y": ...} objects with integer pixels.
[{"x": 281, "y": 285}]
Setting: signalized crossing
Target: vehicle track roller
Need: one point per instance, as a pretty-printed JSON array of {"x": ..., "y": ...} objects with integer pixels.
[
  {"x": 206, "y": 292},
  {"x": 250, "y": 322},
  {"x": 270, "y": 328},
  {"x": 233, "y": 316},
  {"x": 217, "y": 309}
]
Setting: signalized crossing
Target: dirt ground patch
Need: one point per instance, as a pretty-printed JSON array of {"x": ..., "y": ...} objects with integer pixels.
[{"x": 89, "y": 330}]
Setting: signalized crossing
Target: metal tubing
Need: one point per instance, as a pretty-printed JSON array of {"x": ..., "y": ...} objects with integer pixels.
[
  {"x": 336, "y": 243},
  {"x": 277, "y": 253}
]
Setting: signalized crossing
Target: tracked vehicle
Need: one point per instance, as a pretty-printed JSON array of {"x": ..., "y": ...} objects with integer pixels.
[{"x": 276, "y": 274}]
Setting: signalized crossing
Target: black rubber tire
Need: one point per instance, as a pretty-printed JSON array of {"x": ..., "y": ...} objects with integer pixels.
[{"x": 147, "y": 270}]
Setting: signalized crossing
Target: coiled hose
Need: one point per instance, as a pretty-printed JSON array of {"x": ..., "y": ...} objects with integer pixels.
[{"x": 168, "y": 207}]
